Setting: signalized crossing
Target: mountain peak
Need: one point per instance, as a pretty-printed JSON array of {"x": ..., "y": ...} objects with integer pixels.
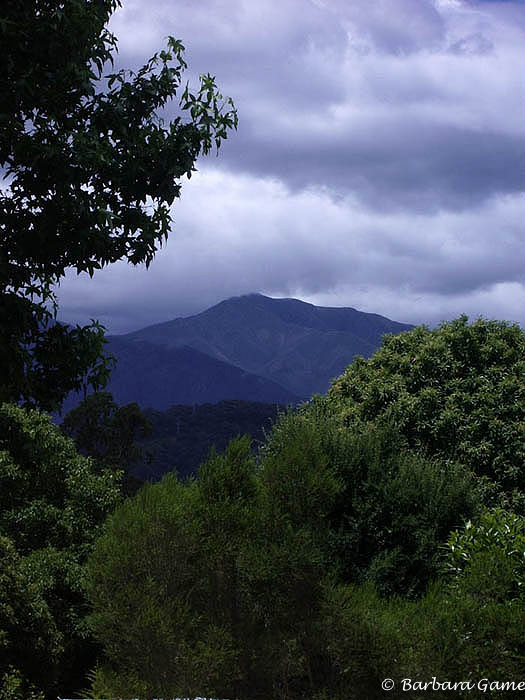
[{"x": 299, "y": 345}]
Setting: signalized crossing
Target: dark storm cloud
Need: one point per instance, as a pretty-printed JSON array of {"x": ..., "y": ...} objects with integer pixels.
[
  {"x": 428, "y": 168},
  {"x": 351, "y": 95},
  {"x": 262, "y": 237},
  {"x": 379, "y": 162}
]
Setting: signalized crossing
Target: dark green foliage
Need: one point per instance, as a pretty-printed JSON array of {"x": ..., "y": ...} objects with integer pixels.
[
  {"x": 318, "y": 561},
  {"x": 14, "y": 687},
  {"x": 29, "y": 639},
  {"x": 196, "y": 589},
  {"x": 467, "y": 627},
  {"x": 51, "y": 505},
  {"x": 107, "y": 432},
  {"x": 363, "y": 640},
  {"x": 381, "y": 510},
  {"x": 49, "y": 495},
  {"x": 446, "y": 635},
  {"x": 395, "y": 511},
  {"x": 168, "y": 562},
  {"x": 299, "y": 476},
  {"x": 472, "y": 624},
  {"x": 182, "y": 436},
  {"x": 251, "y": 553},
  {"x": 490, "y": 552},
  {"x": 456, "y": 391},
  {"x": 92, "y": 172}
]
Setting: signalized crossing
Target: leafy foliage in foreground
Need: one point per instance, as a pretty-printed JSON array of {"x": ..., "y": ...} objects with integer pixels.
[
  {"x": 244, "y": 557},
  {"x": 51, "y": 504},
  {"x": 335, "y": 558},
  {"x": 491, "y": 552},
  {"x": 27, "y": 628},
  {"x": 168, "y": 562},
  {"x": 92, "y": 173},
  {"x": 385, "y": 510},
  {"x": 290, "y": 558}
]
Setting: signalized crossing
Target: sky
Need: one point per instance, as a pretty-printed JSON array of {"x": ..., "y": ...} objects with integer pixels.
[{"x": 379, "y": 161}]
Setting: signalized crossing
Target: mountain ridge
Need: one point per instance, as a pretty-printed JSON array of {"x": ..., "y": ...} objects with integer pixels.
[
  {"x": 293, "y": 343},
  {"x": 158, "y": 377}
]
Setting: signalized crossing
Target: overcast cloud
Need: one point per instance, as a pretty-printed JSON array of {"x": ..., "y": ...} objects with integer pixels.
[{"x": 379, "y": 161}]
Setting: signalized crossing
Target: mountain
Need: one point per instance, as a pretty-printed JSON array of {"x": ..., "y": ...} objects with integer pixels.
[
  {"x": 293, "y": 344},
  {"x": 158, "y": 377}
]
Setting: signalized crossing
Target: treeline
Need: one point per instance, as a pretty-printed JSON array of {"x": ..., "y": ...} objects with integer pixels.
[
  {"x": 377, "y": 533},
  {"x": 148, "y": 444},
  {"x": 182, "y": 436}
]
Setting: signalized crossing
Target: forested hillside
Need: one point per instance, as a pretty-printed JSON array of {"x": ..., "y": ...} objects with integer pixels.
[{"x": 182, "y": 437}]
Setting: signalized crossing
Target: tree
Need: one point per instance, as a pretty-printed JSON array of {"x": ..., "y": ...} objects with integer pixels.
[
  {"x": 456, "y": 392},
  {"x": 165, "y": 587},
  {"x": 29, "y": 640},
  {"x": 107, "y": 432},
  {"x": 91, "y": 172},
  {"x": 379, "y": 511},
  {"x": 197, "y": 590},
  {"x": 51, "y": 505}
]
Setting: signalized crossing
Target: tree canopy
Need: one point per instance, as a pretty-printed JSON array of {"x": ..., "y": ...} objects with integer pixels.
[
  {"x": 237, "y": 565},
  {"x": 91, "y": 171},
  {"x": 52, "y": 502},
  {"x": 357, "y": 547},
  {"x": 106, "y": 431},
  {"x": 456, "y": 391}
]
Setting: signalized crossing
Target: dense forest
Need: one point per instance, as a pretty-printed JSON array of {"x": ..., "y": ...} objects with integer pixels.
[
  {"x": 182, "y": 437},
  {"x": 370, "y": 544},
  {"x": 375, "y": 532},
  {"x": 148, "y": 444}
]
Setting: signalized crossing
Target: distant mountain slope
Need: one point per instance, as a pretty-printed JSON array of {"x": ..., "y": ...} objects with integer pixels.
[
  {"x": 300, "y": 346},
  {"x": 159, "y": 377}
]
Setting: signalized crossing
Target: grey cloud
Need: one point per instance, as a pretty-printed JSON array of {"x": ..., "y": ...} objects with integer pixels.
[
  {"x": 472, "y": 44},
  {"x": 401, "y": 27},
  {"x": 412, "y": 166},
  {"x": 290, "y": 65},
  {"x": 266, "y": 238},
  {"x": 379, "y": 161}
]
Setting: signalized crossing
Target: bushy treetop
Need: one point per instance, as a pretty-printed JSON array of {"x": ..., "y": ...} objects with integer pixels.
[
  {"x": 52, "y": 503},
  {"x": 50, "y": 496},
  {"x": 457, "y": 391}
]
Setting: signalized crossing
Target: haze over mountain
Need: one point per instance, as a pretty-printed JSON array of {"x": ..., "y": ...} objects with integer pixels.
[{"x": 250, "y": 347}]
